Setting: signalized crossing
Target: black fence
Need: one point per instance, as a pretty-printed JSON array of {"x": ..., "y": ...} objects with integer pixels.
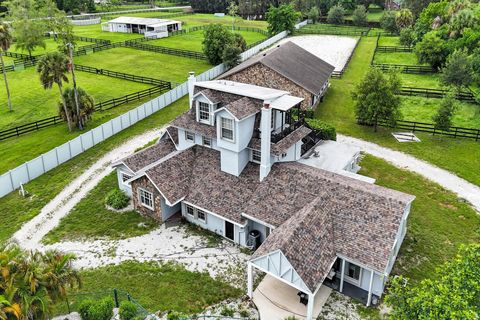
[
  {"x": 108, "y": 46},
  {"x": 339, "y": 74},
  {"x": 349, "y": 22},
  {"x": 387, "y": 49},
  {"x": 414, "y": 126},
  {"x": 165, "y": 50},
  {"x": 124, "y": 76},
  {"x": 8, "y": 68},
  {"x": 437, "y": 93},
  {"x": 197, "y": 28},
  {"x": 331, "y": 30},
  {"x": 405, "y": 68},
  {"x": 104, "y": 105}
]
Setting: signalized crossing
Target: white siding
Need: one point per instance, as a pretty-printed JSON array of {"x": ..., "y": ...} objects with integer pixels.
[
  {"x": 168, "y": 211},
  {"x": 293, "y": 153},
  {"x": 234, "y": 162},
  {"x": 121, "y": 185},
  {"x": 377, "y": 288}
]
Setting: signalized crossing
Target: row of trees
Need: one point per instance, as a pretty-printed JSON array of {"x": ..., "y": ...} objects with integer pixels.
[
  {"x": 32, "y": 282},
  {"x": 30, "y": 21}
]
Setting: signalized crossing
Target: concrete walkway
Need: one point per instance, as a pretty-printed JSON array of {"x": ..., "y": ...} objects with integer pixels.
[
  {"x": 277, "y": 300},
  {"x": 446, "y": 179}
]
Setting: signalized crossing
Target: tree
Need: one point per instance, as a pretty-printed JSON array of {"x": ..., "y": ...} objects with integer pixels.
[
  {"x": 5, "y": 43},
  {"x": 314, "y": 14},
  {"x": 432, "y": 50},
  {"x": 443, "y": 118},
  {"x": 359, "y": 16},
  {"x": 450, "y": 293},
  {"x": 475, "y": 63},
  {"x": 462, "y": 20},
  {"x": 376, "y": 98},
  {"x": 233, "y": 12},
  {"x": 403, "y": 19},
  {"x": 458, "y": 70},
  {"x": 231, "y": 55},
  {"x": 388, "y": 22},
  {"x": 282, "y": 18},
  {"x": 53, "y": 68},
  {"x": 239, "y": 42},
  {"x": 86, "y": 106},
  {"x": 28, "y": 26},
  {"x": 336, "y": 15},
  {"x": 430, "y": 18},
  {"x": 416, "y": 6},
  {"x": 216, "y": 38},
  {"x": 407, "y": 37}
]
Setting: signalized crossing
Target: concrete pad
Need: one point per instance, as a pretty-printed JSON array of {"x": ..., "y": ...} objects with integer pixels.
[{"x": 277, "y": 300}]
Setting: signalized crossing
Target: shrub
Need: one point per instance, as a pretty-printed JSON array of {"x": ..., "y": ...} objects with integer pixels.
[
  {"x": 97, "y": 310},
  {"x": 359, "y": 16},
  {"x": 407, "y": 37},
  {"x": 174, "y": 315},
  {"x": 127, "y": 311},
  {"x": 388, "y": 22},
  {"x": 117, "y": 199},
  {"x": 231, "y": 55},
  {"x": 239, "y": 42},
  {"x": 336, "y": 15},
  {"x": 458, "y": 70},
  {"x": 443, "y": 118},
  {"x": 432, "y": 50},
  {"x": 227, "y": 312},
  {"x": 314, "y": 14},
  {"x": 326, "y": 131}
]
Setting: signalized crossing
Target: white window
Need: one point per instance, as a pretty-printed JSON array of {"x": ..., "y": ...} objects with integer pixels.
[
  {"x": 353, "y": 273},
  {"x": 190, "y": 210},
  {"x": 207, "y": 142},
  {"x": 125, "y": 177},
  {"x": 227, "y": 129},
  {"x": 189, "y": 136},
  {"x": 256, "y": 156},
  {"x": 201, "y": 215},
  {"x": 204, "y": 112},
  {"x": 146, "y": 198}
]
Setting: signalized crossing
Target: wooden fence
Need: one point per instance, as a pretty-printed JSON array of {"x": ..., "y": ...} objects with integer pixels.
[
  {"x": 414, "y": 126},
  {"x": 166, "y": 50},
  {"x": 197, "y": 28},
  {"x": 437, "y": 93},
  {"x": 405, "y": 68},
  {"x": 387, "y": 49},
  {"x": 330, "y": 30}
]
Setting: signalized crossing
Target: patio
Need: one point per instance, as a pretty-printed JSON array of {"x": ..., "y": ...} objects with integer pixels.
[{"x": 277, "y": 300}]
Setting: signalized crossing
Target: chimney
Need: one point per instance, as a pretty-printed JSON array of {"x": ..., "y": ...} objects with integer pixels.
[
  {"x": 191, "y": 85},
  {"x": 265, "y": 127}
]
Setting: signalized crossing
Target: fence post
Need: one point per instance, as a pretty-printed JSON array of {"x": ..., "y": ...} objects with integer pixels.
[
  {"x": 11, "y": 179},
  {"x": 128, "y": 297},
  {"x": 115, "y": 297}
]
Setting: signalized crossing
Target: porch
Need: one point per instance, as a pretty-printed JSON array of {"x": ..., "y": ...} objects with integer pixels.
[
  {"x": 277, "y": 300},
  {"x": 351, "y": 291}
]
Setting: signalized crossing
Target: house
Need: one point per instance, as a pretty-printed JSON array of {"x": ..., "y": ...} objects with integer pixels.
[
  {"x": 230, "y": 164},
  {"x": 287, "y": 67},
  {"x": 393, "y": 4},
  {"x": 150, "y": 27}
]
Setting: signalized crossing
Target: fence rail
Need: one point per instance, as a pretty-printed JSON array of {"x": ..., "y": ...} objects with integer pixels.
[
  {"x": 414, "y": 126},
  {"x": 404, "y": 68},
  {"x": 331, "y": 30},
  {"x": 387, "y": 49},
  {"x": 437, "y": 93},
  {"x": 94, "y": 40},
  {"x": 166, "y": 50}
]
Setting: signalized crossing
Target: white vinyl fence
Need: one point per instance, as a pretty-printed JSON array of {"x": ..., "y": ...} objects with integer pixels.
[
  {"x": 32, "y": 169},
  {"x": 86, "y": 22}
]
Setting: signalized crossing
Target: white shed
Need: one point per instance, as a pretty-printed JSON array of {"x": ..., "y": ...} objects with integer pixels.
[{"x": 150, "y": 27}]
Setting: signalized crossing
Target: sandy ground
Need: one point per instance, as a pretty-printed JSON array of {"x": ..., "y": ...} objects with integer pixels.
[
  {"x": 446, "y": 179},
  {"x": 333, "y": 49}
]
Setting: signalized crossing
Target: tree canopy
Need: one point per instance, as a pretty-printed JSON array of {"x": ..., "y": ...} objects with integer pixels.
[
  {"x": 221, "y": 45},
  {"x": 282, "y": 18}
]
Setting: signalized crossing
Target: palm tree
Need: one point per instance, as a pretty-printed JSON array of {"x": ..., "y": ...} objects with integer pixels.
[
  {"x": 86, "y": 106},
  {"x": 5, "y": 43},
  {"x": 59, "y": 274},
  {"x": 53, "y": 68},
  {"x": 7, "y": 309}
]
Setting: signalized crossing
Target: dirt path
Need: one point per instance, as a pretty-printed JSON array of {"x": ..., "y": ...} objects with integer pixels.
[{"x": 446, "y": 179}]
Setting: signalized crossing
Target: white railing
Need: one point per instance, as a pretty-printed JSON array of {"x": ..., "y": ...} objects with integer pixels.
[
  {"x": 32, "y": 169},
  {"x": 107, "y": 13},
  {"x": 86, "y": 22}
]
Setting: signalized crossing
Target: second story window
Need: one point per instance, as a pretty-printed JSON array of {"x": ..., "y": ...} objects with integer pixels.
[
  {"x": 189, "y": 136},
  {"x": 204, "y": 112},
  {"x": 227, "y": 129}
]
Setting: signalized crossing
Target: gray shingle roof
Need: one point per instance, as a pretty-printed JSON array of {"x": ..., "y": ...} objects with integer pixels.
[
  {"x": 294, "y": 63},
  {"x": 147, "y": 156},
  {"x": 211, "y": 95},
  {"x": 243, "y": 108},
  {"x": 188, "y": 121}
]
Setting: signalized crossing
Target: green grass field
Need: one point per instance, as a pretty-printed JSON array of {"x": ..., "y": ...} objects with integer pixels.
[
  {"x": 14, "y": 209},
  {"x": 50, "y": 46},
  {"x": 389, "y": 41},
  {"x": 31, "y": 102},
  {"x": 408, "y": 58},
  {"x": 201, "y": 19},
  {"x": 461, "y": 156},
  {"x": 193, "y": 40},
  {"x": 438, "y": 223},
  {"x": 331, "y": 28},
  {"x": 423, "y": 109},
  {"x": 90, "y": 219},
  {"x": 421, "y": 80},
  {"x": 145, "y": 63}
]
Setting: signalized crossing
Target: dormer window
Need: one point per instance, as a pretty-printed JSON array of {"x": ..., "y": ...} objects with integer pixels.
[
  {"x": 226, "y": 129},
  {"x": 204, "y": 112}
]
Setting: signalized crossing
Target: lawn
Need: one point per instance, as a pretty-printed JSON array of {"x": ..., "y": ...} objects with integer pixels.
[
  {"x": 148, "y": 14},
  {"x": 50, "y": 46},
  {"x": 15, "y": 210},
  {"x": 389, "y": 41},
  {"x": 407, "y": 58},
  {"x": 421, "y": 80},
  {"x": 438, "y": 223},
  {"x": 157, "y": 287},
  {"x": 330, "y": 28},
  {"x": 461, "y": 156},
  {"x": 95, "y": 31},
  {"x": 31, "y": 102},
  {"x": 91, "y": 220},
  {"x": 201, "y": 19},
  {"x": 193, "y": 40},
  {"x": 422, "y": 109},
  {"x": 145, "y": 63}
]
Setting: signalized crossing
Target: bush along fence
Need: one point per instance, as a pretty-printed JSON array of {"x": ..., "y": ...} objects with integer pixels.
[
  {"x": 104, "y": 105},
  {"x": 414, "y": 126},
  {"x": 34, "y": 168},
  {"x": 437, "y": 93}
]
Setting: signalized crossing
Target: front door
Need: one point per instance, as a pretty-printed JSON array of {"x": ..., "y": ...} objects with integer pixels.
[{"x": 229, "y": 230}]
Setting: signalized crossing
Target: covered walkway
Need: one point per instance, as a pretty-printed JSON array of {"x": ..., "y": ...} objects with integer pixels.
[{"x": 277, "y": 300}]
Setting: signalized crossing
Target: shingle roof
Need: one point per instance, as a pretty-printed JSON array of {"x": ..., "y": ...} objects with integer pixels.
[
  {"x": 211, "y": 95},
  {"x": 145, "y": 157},
  {"x": 283, "y": 145},
  {"x": 173, "y": 133},
  {"x": 294, "y": 63},
  {"x": 188, "y": 121},
  {"x": 243, "y": 108}
]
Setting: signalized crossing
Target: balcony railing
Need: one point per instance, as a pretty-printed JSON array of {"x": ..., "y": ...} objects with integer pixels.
[{"x": 277, "y": 136}]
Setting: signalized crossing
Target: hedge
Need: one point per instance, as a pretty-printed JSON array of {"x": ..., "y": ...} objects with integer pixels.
[{"x": 325, "y": 130}]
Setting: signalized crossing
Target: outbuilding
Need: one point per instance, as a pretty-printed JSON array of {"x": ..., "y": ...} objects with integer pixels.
[{"x": 150, "y": 27}]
